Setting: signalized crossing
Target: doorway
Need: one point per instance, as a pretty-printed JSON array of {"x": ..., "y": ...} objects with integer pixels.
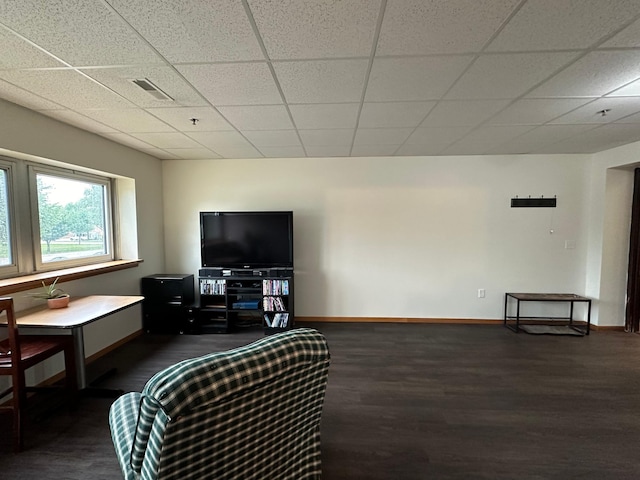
[{"x": 632, "y": 312}]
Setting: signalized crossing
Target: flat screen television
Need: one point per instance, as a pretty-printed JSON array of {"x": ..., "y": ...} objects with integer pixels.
[{"x": 242, "y": 240}]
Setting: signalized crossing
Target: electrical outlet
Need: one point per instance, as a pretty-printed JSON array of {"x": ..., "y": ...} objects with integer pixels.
[{"x": 481, "y": 293}]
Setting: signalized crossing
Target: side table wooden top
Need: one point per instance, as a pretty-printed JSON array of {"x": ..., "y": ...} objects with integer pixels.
[{"x": 549, "y": 297}]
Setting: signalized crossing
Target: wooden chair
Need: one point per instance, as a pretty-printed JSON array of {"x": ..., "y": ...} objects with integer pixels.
[{"x": 20, "y": 352}]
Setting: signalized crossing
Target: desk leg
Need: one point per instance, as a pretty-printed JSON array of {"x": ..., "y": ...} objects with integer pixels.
[
  {"x": 81, "y": 367},
  {"x": 78, "y": 348}
]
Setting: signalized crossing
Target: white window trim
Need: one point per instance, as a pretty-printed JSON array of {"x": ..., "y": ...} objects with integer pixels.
[
  {"x": 39, "y": 266},
  {"x": 13, "y": 268}
]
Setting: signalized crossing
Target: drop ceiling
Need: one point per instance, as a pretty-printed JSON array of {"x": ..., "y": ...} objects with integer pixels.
[{"x": 320, "y": 78}]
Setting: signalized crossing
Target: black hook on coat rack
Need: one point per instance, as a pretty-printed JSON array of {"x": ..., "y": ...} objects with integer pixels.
[{"x": 534, "y": 202}]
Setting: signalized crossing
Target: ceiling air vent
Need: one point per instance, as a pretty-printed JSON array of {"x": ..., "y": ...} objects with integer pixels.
[{"x": 149, "y": 87}]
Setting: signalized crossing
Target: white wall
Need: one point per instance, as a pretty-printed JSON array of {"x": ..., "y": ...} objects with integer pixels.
[
  {"x": 399, "y": 237},
  {"x": 30, "y": 133}
]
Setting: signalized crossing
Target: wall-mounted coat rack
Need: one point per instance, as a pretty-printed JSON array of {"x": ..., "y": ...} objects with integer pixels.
[{"x": 533, "y": 202}]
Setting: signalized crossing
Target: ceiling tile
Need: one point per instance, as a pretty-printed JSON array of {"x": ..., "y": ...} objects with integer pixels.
[
  {"x": 192, "y": 153},
  {"x": 283, "y": 152},
  {"x": 394, "y": 114},
  {"x": 193, "y": 31},
  {"x": 442, "y": 136},
  {"x": 233, "y": 83},
  {"x": 17, "y": 53},
  {"x": 431, "y": 141},
  {"x": 167, "y": 140},
  {"x": 208, "y": 119},
  {"x": 507, "y": 75},
  {"x": 635, "y": 118},
  {"x": 619, "y": 107},
  {"x": 342, "y": 115},
  {"x": 258, "y": 117},
  {"x": 65, "y": 87},
  {"x": 418, "y": 27},
  {"x": 327, "y": 151},
  {"x": 434, "y": 148},
  {"x": 78, "y": 120},
  {"x": 25, "y": 98},
  {"x": 210, "y": 139},
  {"x": 323, "y": 81},
  {"x": 462, "y": 112},
  {"x": 120, "y": 80},
  {"x": 226, "y": 144},
  {"x": 238, "y": 151},
  {"x": 272, "y": 138},
  {"x": 61, "y": 26},
  {"x": 629, "y": 90},
  {"x": 382, "y": 136},
  {"x": 562, "y": 24},
  {"x": 422, "y": 78},
  {"x": 629, "y": 37},
  {"x": 373, "y": 150},
  {"x": 484, "y": 138},
  {"x": 596, "y": 139},
  {"x": 313, "y": 29},
  {"x": 594, "y": 75},
  {"x": 127, "y": 140},
  {"x": 536, "y": 111},
  {"x": 314, "y": 138},
  {"x": 131, "y": 120},
  {"x": 159, "y": 153},
  {"x": 534, "y": 139}
]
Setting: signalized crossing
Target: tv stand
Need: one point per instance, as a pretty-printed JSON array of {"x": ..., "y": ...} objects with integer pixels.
[{"x": 245, "y": 298}]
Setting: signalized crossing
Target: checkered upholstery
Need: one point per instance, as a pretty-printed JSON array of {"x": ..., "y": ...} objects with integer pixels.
[{"x": 248, "y": 413}]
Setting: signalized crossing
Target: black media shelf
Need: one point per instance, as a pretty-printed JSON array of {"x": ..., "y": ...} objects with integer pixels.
[{"x": 268, "y": 296}]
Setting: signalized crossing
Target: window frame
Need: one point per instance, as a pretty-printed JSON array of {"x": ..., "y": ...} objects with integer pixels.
[
  {"x": 33, "y": 170},
  {"x": 13, "y": 268}
]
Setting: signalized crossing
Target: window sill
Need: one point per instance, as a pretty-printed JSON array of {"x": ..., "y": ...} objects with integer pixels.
[{"x": 27, "y": 282}]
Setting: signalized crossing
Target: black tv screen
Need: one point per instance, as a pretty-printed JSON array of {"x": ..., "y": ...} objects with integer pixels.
[{"x": 246, "y": 239}]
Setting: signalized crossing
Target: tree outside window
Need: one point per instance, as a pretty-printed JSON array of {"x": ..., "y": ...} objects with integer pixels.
[{"x": 72, "y": 218}]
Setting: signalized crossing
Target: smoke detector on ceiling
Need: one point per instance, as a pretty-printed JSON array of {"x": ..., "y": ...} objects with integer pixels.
[{"x": 152, "y": 89}]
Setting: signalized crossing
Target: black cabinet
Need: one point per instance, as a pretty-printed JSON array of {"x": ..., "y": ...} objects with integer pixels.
[{"x": 168, "y": 305}]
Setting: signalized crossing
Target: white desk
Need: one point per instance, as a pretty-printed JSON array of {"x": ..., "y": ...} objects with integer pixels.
[{"x": 80, "y": 312}]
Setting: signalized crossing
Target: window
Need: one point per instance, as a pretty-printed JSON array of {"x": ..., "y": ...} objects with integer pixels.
[
  {"x": 72, "y": 225},
  {"x": 6, "y": 235},
  {"x": 52, "y": 218}
]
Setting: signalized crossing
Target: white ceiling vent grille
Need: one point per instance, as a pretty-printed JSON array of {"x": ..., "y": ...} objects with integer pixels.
[{"x": 149, "y": 87}]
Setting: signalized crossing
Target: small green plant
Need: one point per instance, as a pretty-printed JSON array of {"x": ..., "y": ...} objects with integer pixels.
[{"x": 49, "y": 291}]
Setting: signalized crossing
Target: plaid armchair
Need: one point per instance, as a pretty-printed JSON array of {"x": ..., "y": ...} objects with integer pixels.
[{"x": 248, "y": 413}]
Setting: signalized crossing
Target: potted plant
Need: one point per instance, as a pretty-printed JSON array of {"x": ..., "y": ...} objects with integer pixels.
[{"x": 55, "y": 297}]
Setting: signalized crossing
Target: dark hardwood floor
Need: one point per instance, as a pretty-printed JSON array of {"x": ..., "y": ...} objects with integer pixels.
[{"x": 406, "y": 402}]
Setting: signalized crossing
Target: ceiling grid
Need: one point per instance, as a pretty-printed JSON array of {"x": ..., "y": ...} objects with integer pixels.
[{"x": 320, "y": 78}]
